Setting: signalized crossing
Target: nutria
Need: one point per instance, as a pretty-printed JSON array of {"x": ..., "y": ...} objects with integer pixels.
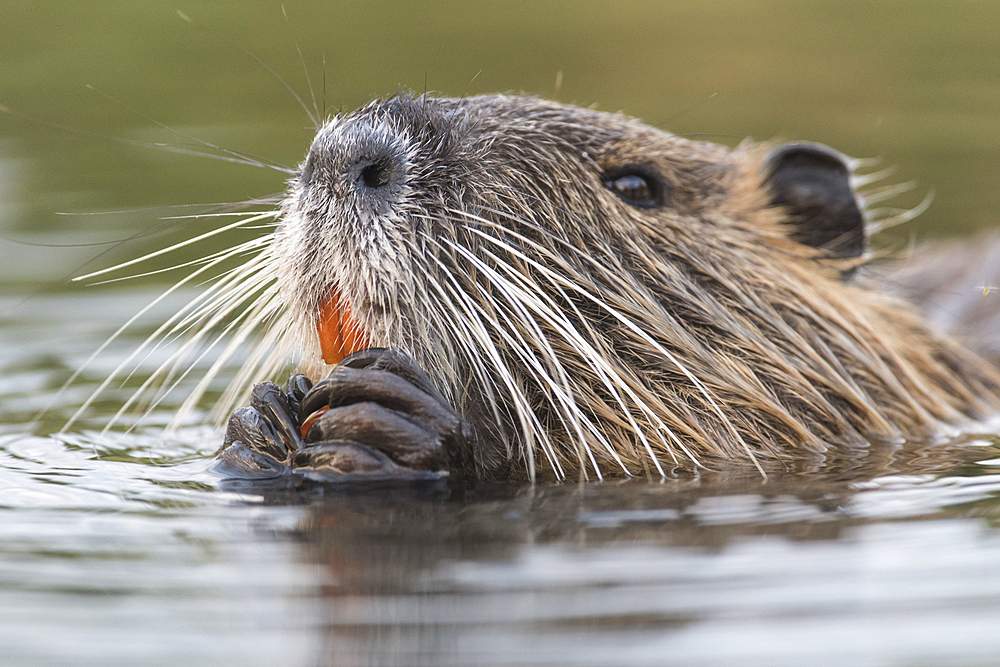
[{"x": 509, "y": 287}]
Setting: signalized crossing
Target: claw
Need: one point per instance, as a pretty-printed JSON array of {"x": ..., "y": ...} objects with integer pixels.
[
  {"x": 364, "y": 358},
  {"x": 270, "y": 401},
  {"x": 397, "y": 363},
  {"x": 296, "y": 388},
  {"x": 250, "y": 428}
]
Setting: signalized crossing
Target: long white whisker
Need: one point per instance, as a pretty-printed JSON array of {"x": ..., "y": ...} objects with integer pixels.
[
  {"x": 595, "y": 359},
  {"x": 555, "y": 277},
  {"x": 598, "y": 363},
  {"x": 104, "y": 385},
  {"x": 176, "y": 246},
  {"x": 236, "y": 251},
  {"x": 520, "y": 301},
  {"x": 222, "y": 307},
  {"x": 264, "y": 305},
  {"x": 530, "y": 428}
]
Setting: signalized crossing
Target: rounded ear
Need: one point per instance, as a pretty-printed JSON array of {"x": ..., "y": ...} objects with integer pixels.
[{"x": 813, "y": 183}]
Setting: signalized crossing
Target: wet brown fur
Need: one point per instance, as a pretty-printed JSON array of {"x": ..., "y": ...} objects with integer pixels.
[{"x": 644, "y": 340}]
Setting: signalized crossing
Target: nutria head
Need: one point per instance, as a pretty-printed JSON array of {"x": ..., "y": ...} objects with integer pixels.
[{"x": 595, "y": 295}]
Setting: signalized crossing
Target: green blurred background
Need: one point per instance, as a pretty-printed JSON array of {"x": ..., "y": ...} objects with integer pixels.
[{"x": 916, "y": 83}]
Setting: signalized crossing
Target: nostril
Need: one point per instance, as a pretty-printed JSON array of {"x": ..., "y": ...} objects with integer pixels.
[{"x": 376, "y": 174}]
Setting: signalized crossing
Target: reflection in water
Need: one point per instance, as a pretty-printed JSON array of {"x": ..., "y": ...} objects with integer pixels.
[{"x": 798, "y": 570}]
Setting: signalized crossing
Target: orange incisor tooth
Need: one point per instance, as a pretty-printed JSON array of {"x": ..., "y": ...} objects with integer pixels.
[{"x": 340, "y": 334}]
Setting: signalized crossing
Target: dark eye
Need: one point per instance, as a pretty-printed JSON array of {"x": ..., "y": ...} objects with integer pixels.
[{"x": 635, "y": 186}]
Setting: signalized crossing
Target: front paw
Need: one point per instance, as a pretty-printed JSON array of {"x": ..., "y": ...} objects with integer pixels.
[{"x": 376, "y": 416}]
